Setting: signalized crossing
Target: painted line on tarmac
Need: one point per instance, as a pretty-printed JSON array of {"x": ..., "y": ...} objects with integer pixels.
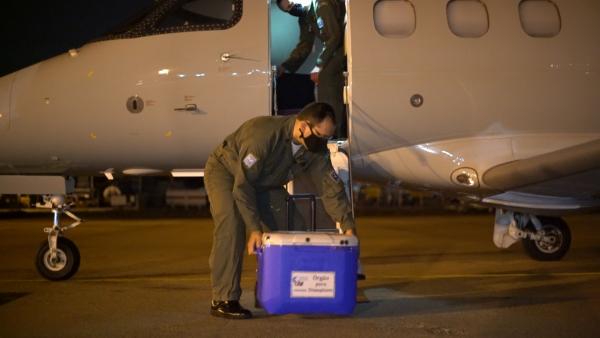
[
  {"x": 490, "y": 275},
  {"x": 113, "y": 280},
  {"x": 369, "y": 277}
]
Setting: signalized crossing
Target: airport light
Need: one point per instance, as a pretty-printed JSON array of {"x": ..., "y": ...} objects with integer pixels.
[
  {"x": 142, "y": 171},
  {"x": 187, "y": 172},
  {"x": 109, "y": 174}
]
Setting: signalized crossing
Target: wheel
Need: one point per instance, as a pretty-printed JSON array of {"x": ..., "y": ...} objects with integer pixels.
[
  {"x": 64, "y": 266},
  {"x": 555, "y": 242}
]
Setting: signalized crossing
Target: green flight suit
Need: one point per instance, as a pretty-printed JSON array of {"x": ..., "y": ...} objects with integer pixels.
[
  {"x": 244, "y": 179},
  {"x": 324, "y": 19}
]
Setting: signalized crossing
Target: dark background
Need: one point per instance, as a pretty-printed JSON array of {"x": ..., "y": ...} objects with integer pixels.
[{"x": 32, "y": 31}]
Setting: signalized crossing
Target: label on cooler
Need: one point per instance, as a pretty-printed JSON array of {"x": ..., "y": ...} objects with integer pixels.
[{"x": 312, "y": 284}]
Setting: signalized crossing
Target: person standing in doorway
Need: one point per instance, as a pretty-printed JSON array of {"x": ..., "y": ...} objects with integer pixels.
[{"x": 324, "y": 19}]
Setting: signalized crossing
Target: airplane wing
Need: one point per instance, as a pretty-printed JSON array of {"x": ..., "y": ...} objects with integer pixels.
[
  {"x": 558, "y": 181},
  {"x": 545, "y": 167}
]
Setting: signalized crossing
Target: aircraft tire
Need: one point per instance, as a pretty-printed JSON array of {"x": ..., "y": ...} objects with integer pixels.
[
  {"x": 67, "y": 264},
  {"x": 558, "y": 231}
]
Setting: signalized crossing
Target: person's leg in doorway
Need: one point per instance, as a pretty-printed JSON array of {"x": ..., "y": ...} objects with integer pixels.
[{"x": 331, "y": 90}]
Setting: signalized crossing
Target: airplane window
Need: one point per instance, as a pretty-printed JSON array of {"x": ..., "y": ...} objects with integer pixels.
[
  {"x": 134, "y": 19},
  {"x": 172, "y": 16},
  {"x": 467, "y": 18},
  {"x": 394, "y": 19},
  {"x": 198, "y": 12},
  {"x": 539, "y": 18}
]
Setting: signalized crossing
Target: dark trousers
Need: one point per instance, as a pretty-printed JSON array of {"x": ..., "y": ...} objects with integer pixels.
[
  {"x": 331, "y": 90},
  {"x": 229, "y": 232}
]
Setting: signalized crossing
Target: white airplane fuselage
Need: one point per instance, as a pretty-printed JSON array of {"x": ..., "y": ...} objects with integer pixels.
[
  {"x": 69, "y": 114},
  {"x": 487, "y": 102}
]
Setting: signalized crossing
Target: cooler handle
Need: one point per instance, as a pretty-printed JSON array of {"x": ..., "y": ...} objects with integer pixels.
[{"x": 313, "y": 209}]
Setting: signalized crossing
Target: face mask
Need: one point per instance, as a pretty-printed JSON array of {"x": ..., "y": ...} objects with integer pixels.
[
  {"x": 297, "y": 10},
  {"x": 313, "y": 143}
]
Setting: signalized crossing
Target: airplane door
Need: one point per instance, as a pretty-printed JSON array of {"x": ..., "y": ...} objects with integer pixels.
[{"x": 5, "y": 92}]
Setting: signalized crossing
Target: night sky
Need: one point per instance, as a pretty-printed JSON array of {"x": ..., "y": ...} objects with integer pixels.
[{"x": 36, "y": 30}]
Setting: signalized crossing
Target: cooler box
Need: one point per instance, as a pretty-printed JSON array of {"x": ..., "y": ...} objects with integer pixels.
[{"x": 307, "y": 273}]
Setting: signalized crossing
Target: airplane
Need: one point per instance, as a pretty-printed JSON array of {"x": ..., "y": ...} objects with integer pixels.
[{"x": 495, "y": 101}]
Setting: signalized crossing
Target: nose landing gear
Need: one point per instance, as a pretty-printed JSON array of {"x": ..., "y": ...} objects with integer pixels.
[
  {"x": 58, "y": 264},
  {"x": 58, "y": 257}
]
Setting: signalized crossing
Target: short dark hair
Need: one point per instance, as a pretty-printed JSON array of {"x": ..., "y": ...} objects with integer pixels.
[
  {"x": 278, "y": 2},
  {"x": 316, "y": 112}
]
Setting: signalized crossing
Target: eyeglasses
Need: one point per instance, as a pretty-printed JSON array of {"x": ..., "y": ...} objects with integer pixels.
[{"x": 316, "y": 133}]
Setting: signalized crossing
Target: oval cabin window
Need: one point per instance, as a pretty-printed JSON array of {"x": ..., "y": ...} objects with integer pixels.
[
  {"x": 539, "y": 18},
  {"x": 467, "y": 18},
  {"x": 394, "y": 18}
]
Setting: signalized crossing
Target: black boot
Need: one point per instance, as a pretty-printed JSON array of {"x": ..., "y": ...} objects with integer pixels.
[{"x": 230, "y": 309}]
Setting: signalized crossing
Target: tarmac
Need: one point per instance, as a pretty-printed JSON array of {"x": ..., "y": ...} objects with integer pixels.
[{"x": 427, "y": 276}]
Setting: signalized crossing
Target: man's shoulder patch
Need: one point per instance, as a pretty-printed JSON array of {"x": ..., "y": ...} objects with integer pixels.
[
  {"x": 320, "y": 23},
  {"x": 250, "y": 160}
]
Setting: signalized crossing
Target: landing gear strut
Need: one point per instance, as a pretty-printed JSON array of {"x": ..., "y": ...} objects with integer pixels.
[{"x": 58, "y": 257}]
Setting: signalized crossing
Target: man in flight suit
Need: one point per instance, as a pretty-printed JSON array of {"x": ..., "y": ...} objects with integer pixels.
[
  {"x": 244, "y": 179},
  {"x": 325, "y": 20}
]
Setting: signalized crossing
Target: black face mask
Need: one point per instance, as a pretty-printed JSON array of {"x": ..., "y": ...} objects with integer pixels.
[
  {"x": 297, "y": 10},
  {"x": 313, "y": 143}
]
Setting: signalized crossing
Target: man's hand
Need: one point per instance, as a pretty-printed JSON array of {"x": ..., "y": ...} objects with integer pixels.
[
  {"x": 350, "y": 232},
  {"x": 314, "y": 74},
  {"x": 254, "y": 242}
]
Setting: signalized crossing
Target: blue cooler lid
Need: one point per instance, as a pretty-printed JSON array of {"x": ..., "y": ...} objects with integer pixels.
[{"x": 306, "y": 238}]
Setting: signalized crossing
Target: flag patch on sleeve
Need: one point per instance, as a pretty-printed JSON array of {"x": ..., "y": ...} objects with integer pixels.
[
  {"x": 250, "y": 160},
  {"x": 320, "y": 23}
]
